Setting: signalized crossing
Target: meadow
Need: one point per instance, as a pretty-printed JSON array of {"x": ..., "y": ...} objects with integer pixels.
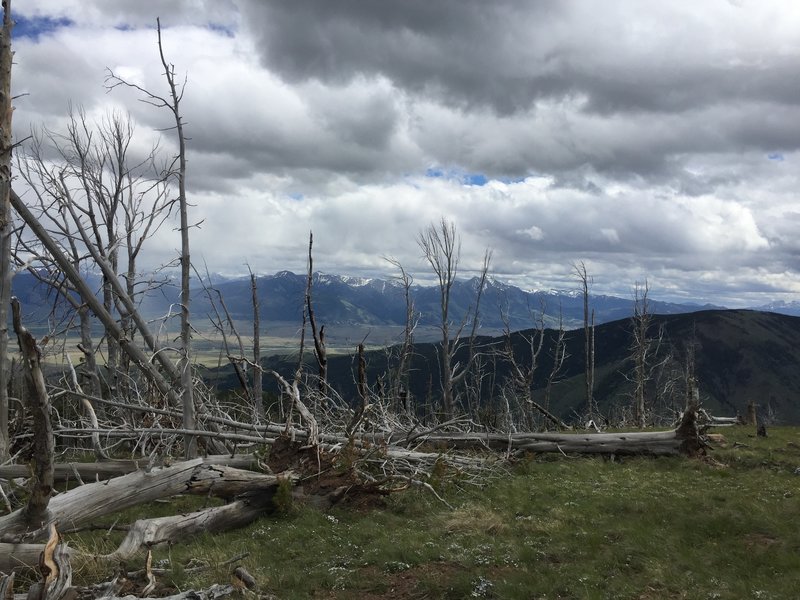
[{"x": 545, "y": 526}]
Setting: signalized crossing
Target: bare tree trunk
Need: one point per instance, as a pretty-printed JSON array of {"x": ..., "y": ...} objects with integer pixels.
[
  {"x": 90, "y": 374},
  {"x": 185, "y": 366},
  {"x": 641, "y": 346},
  {"x": 441, "y": 248},
  {"x": 588, "y": 334},
  {"x": 320, "y": 351},
  {"x": 6, "y": 221},
  {"x": 258, "y": 388},
  {"x": 363, "y": 392},
  {"x": 559, "y": 356},
  {"x": 401, "y": 396},
  {"x": 43, "y": 444}
]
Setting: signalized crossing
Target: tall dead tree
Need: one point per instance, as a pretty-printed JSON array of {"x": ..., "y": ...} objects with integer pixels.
[
  {"x": 116, "y": 206},
  {"x": 401, "y": 394},
  {"x": 584, "y": 280},
  {"x": 441, "y": 249},
  {"x": 258, "y": 386},
  {"x": 559, "y": 355},
  {"x": 171, "y": 103},
  {"x": 645, "y": 352},
  {"x": 640, "y": 348},
  {"x": 318, "y": 333},
  {"x": 6, "y": 221}
]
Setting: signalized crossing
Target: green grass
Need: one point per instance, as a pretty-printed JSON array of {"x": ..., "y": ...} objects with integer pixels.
[{"x": 553, "y": 527}]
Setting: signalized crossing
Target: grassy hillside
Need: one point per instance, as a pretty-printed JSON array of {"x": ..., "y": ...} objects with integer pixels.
[{"x": 545, "y": 527}]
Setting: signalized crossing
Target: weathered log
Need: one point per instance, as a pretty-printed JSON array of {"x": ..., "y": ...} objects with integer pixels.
[
  {"x": 253, "y": 492},
  {"x": 147, "y": 533},
  {"x": 88, "y": 502},
  {"x": 115, "y": 468},
  {"x": 685, "y": 439},
  {"x": 212, "y": 593}
]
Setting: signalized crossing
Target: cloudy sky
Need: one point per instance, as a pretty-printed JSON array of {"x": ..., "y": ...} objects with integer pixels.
[{"x": 652, "y": 140}]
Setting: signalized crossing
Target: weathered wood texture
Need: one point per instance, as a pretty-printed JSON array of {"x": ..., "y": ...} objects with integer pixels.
[
  {"x": 88, "y": 502},
  {"x": 39, "y": 406},
  {"x": 115, "y": 468}
]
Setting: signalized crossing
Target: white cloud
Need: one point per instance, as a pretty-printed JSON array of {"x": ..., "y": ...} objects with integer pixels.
[{"x": 639, "y": 141}]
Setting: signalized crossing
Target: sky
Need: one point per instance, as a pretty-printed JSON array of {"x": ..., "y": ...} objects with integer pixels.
[{"x": 651, "y": 140}]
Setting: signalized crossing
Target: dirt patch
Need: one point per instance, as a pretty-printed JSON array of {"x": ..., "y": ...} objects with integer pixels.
[
  {"x": 403, "y": 585},
  {"x": 759, "y": 540}
]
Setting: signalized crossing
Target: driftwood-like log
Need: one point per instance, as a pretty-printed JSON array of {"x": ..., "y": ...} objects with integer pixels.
[
  {"x": 685, "y": 439},
  {"x": 253, "y": 493},
  {"x": 147, "y": 533},
  {"x": 86, "y": 503},
  {"x": 115, "y": 468},
  {"x": 212, "y": 593}
]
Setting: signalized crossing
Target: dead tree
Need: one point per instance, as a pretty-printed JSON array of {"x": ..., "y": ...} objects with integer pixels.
[
  {"x": 522, "y": 373},
  {"x": 111, "y": 201},
  {"x": 108, "y": 320},
  {"x": 39, "y": 400},
  {"x": 6, "y": 221},
  {"x": 644, "y": 351},
  {"x": 441, "y": 249},
  {"x": 585, "y": 281},
  {"x": 178, "y": 171},
  {"x": 559, "y": 355},
  {"x": 401, "y": 394},
  {"x": 318, "y": 333},
  {"x": 258, "y": 387}
]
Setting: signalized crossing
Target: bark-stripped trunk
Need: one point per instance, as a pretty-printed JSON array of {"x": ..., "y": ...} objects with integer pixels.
[
  {"x": 39, "y": 404},
  {"x": 258, "y": 394},
  {"x": 185, "y": 366},
  {"x": 6, "y": 222},
  {"x": 320, "y": 351}
]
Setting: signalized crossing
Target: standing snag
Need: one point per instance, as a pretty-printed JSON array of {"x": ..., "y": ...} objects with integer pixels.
[
  {"x": 441, "y": 249},
  {"x": 6, "y": 221}
]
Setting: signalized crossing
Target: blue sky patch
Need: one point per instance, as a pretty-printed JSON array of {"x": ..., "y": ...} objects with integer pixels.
[
  {"x": 38, "y": 26},
  {"x": 222, "y": 29},
  {"x": 777, "y": 156},
  {"x": 478, "y": 179}
]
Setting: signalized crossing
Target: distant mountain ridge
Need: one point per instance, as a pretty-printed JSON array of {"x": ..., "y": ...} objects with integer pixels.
[
  {"x": 346, "y": 300},
  {"x": 352, "y": 300}
]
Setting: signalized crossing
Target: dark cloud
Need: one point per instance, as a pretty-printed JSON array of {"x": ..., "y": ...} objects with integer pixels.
[
  {"x": 507, "y": 54},
  {"x": 459, "y": 50}
]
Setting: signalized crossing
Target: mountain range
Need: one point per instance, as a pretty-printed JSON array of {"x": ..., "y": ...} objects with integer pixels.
[
  {"x": 341, "y": 300},
  {"x": 348, "y": 301},
  {"x": 740, "y": 354}
]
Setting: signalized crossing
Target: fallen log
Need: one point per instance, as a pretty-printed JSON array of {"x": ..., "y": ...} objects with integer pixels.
[
  {"x": 114, "y": 468},
  {"x": 253, "y": 491},
  {"x": 147, "y": 533},
  {"x": 86, "y": 503},
  {"x": 684, "y": 439}
]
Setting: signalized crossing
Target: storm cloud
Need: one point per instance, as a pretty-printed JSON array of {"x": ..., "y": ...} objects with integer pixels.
[{"x": 653, "y": 140}]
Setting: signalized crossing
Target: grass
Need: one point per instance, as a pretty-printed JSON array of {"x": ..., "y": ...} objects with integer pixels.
[{"x": 553, "y": 527}]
